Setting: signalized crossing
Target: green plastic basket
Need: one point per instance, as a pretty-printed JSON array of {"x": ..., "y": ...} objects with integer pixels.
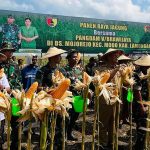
[
  {"x": 15, "y": 107},
  {"x": 78, "y": 103}
]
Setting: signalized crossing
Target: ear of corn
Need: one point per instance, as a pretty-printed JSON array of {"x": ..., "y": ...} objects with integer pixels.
[
  {"x": 86, "y": 78},
  {"x": 61, "y": 89},
  {"x": 105, "y": 78},
  {"x": 31, "y": 90},
  {"x": 2, "y": 95}
]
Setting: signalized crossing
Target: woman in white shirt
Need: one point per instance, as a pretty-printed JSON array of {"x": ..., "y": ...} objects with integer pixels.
[{"x": 4, "y": 84}]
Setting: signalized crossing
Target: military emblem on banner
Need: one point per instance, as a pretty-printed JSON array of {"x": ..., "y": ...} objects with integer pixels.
[
  {"x": 52, "y": 22},
  {"x": 147, "y": 28}
]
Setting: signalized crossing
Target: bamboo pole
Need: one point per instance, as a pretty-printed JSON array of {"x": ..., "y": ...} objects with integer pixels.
[
  {"x": 85, "y": 93},
  {"x": 44, "y": 129}
]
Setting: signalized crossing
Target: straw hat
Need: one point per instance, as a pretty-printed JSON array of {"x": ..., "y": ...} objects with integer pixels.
[
  {"x": 7, "y": 47},
  {"x": 100, "y": 54},
  {"x": 111, "y": 50},
  {"x": 53, "y": 51},
  {"x": 143, "y": 61},
  {"x": 123, "y": 57}
]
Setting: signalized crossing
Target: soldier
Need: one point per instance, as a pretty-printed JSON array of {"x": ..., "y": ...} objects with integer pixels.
[
  {"x": 10, "y": 32},
  {"x": 7, "y": 49},
  {"x": 73, "y": 72},
  {"x": 11, "y": 70}
]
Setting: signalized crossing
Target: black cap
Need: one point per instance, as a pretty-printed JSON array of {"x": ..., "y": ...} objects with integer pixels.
[{"x": 10, "y": 16}]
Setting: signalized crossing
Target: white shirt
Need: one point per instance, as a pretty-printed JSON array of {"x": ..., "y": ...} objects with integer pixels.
[{"x": 5, "y": 83}]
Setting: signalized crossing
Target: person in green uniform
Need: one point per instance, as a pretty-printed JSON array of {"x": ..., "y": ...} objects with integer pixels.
[
  {"x": 7, "y": 49},
  {"x": 10, "y": 32},
  {"x": 73, "y": 72},
  {"x": 28, "y": 35}
]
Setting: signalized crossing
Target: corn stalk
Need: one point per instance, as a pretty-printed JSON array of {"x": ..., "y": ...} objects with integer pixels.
[
  {"x": 147, "y": 138},
  {"x": 8, "y": 129},
  {"x": 29, "y": 129},
  {"x": 44, "y": 129},
  {"x": 94, "y": 123},
  {"x": 98, "y": 123},
  {"x": 63, "y": 133},
  {"x": 85, "y": 94},
  {"x": 53, "y": 125},
  {"x": 19, "y": 136}
]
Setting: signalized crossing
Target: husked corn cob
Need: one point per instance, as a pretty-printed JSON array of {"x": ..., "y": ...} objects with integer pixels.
[
  {"x": 105, "y": 78},
  {"x": 61, "y": 89},
  {"x": 31, "y": 90},
  {"x": 2, "y": 95}
]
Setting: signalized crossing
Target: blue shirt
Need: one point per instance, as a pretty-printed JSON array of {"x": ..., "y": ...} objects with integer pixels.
[{"x": 28, "y": 76}]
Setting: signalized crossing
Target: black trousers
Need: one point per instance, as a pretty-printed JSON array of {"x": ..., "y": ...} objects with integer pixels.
[
  {"x": 14, "y": 133},
  {"x": 73, "y": 117}
]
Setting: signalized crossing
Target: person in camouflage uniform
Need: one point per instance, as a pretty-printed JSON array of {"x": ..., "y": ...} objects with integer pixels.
[
  {"x": 73, "y": 72},
  {"x": 10, "y": 32},
  {"x": 11, "y": 69},
  {"x": 7, "y": 49}
]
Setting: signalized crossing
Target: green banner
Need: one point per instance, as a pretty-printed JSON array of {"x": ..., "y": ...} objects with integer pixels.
[{"x": 84, "y": 34}]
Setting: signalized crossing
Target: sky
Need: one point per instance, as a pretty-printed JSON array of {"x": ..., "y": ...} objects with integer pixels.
[{"x": 122, "y": 10}]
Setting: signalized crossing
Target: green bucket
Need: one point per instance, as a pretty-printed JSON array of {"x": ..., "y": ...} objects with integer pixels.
[
  {"x": 15, "y": 107},
  {"x": 78, "y": 103}
]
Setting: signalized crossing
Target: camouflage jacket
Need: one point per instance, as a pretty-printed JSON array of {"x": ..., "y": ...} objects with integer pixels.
[
  {"x": 73, "y": 74},
  {"x": 44, "y": 76},
  {"x": 10, "y": 33},
  {"x": 13, "y": 76}
]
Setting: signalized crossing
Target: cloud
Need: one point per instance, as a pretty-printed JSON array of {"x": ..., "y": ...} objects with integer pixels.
[
  {"x": 13, "y": 5},
  {"x": 126, "y": 10}
]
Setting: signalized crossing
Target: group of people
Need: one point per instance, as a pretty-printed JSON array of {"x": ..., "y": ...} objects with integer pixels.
[
  {"x": 113, "y": 61},
  {"x": 20, "y": 37}
]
